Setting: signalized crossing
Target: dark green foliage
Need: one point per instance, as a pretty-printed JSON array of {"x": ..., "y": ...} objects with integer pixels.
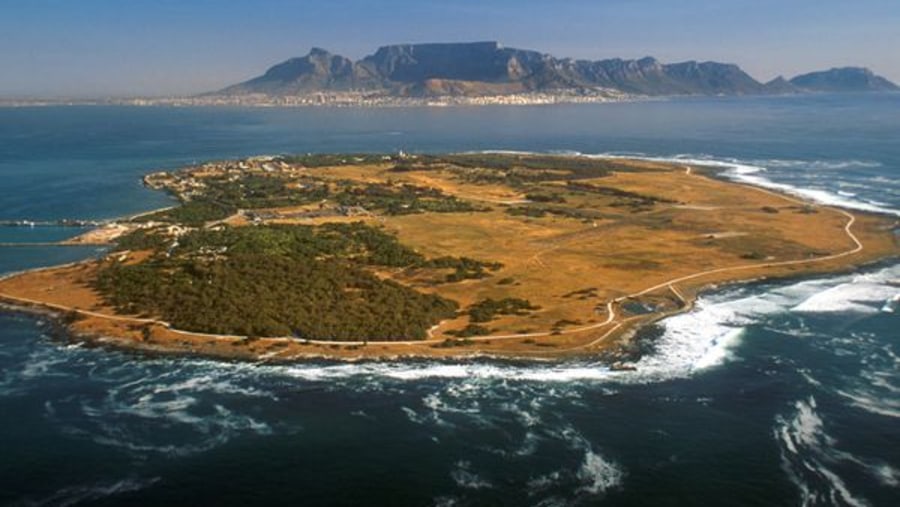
[
  {"x": 464, "y": 267},
  {"x": 273, "y": 295},
  {"x": 528, "y": 211},
  {"x": 307, "y": 282},
  {"x": 514, "y": 170},
  {"x": 578, "y": 167},
  {"x": 257, "y": 191},
  {"x": 590, "y": 292},
  {"x": 539, "y": 211},
  {"x": 356, "y": 241},
  {"x": 141, "y": 239},
  {"x": 628, "y": 198},
  {"x": 192, "y": 213},
  {"x": 545, "y": 197},
  {"x": 402, "y": 199},
  {"x": 335, "y": 159},
  {"x": 486, "y": 310}
]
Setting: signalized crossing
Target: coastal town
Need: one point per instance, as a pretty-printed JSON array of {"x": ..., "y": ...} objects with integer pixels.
[{"x": 349, "y": 99}]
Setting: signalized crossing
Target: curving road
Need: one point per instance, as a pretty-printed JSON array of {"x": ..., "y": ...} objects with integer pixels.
[{"x": 611, "y": 315}]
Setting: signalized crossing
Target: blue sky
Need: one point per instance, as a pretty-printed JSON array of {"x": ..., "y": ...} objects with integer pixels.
[{"x": 143, "y": 47}]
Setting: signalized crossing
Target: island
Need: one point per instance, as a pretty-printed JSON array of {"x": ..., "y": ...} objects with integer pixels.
[{"x": 362, "y": 256}]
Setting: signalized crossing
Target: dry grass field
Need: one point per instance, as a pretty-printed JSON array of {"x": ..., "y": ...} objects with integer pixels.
[{"x": 584, "y": 260}]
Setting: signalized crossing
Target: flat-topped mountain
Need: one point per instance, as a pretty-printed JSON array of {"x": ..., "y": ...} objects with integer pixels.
[{"x": 488, "y": 68}]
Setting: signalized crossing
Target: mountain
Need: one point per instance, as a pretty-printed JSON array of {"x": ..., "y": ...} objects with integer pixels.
[
  {"x": 319, "y": 70},
  {"x": 487, "y": 68},
  {"x": 844, "y": 79},
  {"x": 781, "y": 86}
]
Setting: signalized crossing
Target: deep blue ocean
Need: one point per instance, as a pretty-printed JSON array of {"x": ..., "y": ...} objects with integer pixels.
[{"x": 767, "y": 394}]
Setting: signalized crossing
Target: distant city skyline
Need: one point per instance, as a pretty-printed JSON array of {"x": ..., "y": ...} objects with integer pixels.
[{"x": 96, "y": 48}]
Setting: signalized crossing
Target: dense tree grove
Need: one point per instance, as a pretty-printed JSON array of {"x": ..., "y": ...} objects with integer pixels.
[
  {"x": 282, "y": 280},
  {"x": 192, "y": 213},
  {"x": 273, "y": 295},
  {"x": 224, "y": 196},
  {"x": 141, "y": 239}
]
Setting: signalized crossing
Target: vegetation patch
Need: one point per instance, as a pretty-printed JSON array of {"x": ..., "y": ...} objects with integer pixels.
[
  {"x": 488, "y": 309},
  {"x": 625, "y": 197},
  {"x": 469, "y": 331},
  {"x": 464, "y": 268},
  {"x": 538, "y": 211},
  {"x": 307, "y": 282}
]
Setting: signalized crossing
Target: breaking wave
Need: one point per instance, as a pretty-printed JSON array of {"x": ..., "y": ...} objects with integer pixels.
[
  {"x": 463, "y": 476},
  {"x": 757, "y": 173},
  {"x": 760, "y": 173},
  {"x": 813, "y": 461},
  {"x": 75, "y": 495}
]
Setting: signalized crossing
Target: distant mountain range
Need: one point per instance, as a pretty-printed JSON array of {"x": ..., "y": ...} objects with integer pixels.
[{"x": 487, "y": 68}]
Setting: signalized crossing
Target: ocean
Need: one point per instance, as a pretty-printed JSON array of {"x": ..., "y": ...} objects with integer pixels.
[{"x": 776, "y": 393}]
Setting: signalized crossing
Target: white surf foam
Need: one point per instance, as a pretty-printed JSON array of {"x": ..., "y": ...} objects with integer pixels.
[
  {"x": 704, "y": 338},
  {"x": 464, "y": 477},
  {"x": 598, "y": 474},
  {"x": 807, "y": 452},
  {"x": 865, "y": 293},
  {"x": 813, "y": 460},
  {"x": 856, "y": 297},
  {"x": 76, "y": 495},
  {"x": 820, "y": 165},
  {"x": 543, "y": 482},
  {"x": 753, "y": 172}
]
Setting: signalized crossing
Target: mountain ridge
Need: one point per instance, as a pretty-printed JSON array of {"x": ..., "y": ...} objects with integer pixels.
[{"x": 488, "y": 68}]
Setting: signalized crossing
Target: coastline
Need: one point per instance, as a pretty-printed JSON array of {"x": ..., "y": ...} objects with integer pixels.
[
  {"x": 618, "y": 355},
  {"x": 348, "y": 100},
  {"x": 608, "y": 340}
]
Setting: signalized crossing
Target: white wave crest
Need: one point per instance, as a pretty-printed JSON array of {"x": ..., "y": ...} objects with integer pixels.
[
  {"x": 76, "y": 495},
  {"x": 706, "y": 337},
  {"x": 819, "y": 165},
  {"x": 598, "y": 474},
  {"x": 813, "y": 461},
  {"x": 464, "y": 477},
  {"x": 804, "y": 444},
  {"x": 857, "y": 297},
  {"x": 752, "y": 172}
]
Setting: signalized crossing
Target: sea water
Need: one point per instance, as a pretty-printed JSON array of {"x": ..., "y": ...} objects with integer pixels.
[{"x": 765, "y": 394}]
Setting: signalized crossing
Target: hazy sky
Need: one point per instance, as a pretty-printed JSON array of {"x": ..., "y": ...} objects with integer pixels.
[{"x": 156, "y": 47}]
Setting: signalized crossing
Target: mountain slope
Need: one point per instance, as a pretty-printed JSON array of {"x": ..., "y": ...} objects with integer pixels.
[
  {"x": 487, "y": 68},
  {"x": 844, "y": 79}
]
